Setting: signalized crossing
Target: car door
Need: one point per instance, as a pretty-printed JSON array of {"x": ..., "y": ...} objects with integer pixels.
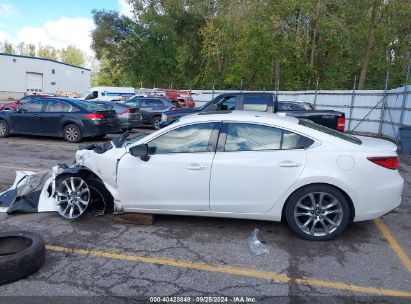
[
  {"x": 254, "y": 166},
  {"x": 27, "y": 119},
  {"x": 52, "y": 115},
  {"x": 177, "y": 175}
]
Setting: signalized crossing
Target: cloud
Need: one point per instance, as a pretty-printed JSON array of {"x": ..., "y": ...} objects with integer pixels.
[
  {"x": 4, "y": 36},
  {"x": 125, "y": 8},
  {"x": 59, "y": 34},
  {"x": 7, "y": 10}
]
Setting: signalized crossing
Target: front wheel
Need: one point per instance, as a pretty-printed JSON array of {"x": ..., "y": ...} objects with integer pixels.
[
  {"x": 317, "y": 213},
  {"x": 156, "y": 123},
  {"x": 73, "y": 196},
  {"x": 72, "y": 134},
  {"x": 4, "y": 128}
]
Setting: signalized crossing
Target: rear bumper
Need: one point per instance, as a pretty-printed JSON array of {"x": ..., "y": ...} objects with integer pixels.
[
  {"x": 130, "y": 124},
  {"x": 381, "y": 197},
  {"x": 101, "y": 129}
]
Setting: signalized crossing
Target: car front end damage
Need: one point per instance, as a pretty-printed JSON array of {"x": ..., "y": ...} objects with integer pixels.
[{"x": 90, "y": 182}]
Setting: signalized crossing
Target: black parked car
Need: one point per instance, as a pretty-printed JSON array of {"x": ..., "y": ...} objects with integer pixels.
[
  {"x": 129, "y": 117},
  {"x": 151, "y": 108},
  {"x": 71, "y": 119}
]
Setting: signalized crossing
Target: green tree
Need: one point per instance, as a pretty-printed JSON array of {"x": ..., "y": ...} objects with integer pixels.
[
  {"x": 256, "y": 44},
  {"x": 8, "y": 48},
  {"x": 48, "y": 52},
  {"x": 72, "y": 55}
]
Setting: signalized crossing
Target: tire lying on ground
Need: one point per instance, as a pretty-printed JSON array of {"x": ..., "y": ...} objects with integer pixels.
[{"x": 22, "y": 253}]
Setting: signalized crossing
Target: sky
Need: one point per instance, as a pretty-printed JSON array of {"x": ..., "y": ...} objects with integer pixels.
[{"x": 58, "y": 23}]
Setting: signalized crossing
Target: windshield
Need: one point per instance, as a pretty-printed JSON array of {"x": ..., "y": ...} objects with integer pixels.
[
  {"x": 134, "y": 139},
  {"x": 309, "y": 124}
]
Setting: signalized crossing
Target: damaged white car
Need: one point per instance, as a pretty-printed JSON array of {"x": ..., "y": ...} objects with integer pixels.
[{"x": 249, "y": 165}]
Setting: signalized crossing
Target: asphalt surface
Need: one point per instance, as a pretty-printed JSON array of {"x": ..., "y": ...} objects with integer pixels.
[{"x": 361, "y": 257}]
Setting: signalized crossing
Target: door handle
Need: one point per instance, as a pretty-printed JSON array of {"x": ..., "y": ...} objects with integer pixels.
[
  {"x": 196, "y": 167},
  {"x": 289, "y": 164}
]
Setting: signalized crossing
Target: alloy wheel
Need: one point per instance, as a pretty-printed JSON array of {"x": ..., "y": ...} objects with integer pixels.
[
  {"x": 157, "y": 124},
  {"x": 318, "y": 214},
  {"x": 71, "y": 134},
  {"x": 3, "y": 128},
  {"x": 73, "y": 197}
]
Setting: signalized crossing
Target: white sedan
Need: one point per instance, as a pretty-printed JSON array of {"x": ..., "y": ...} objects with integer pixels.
[{"x": 249, "y": 165}]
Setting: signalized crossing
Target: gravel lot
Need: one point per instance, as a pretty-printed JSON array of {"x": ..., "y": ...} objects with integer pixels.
[{"x": 190, "y": 256}]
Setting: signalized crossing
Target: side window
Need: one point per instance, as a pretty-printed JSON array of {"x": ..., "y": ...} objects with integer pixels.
[
  {"x": 256, "y": 103},
  {"x": 187, "y": 139},
  {"x": 295, "y": 141},
  {"x": 71, "y": 109},
  {"x": 149, "y": 103},
  {"x": 33, "y": 106},
  {"x": 225, "y": 104},
  {"x": 251, "y": 137},
  {"x": 134, "y": 103},
  {"x": 57, "y": 106},
  {"x": 92, "y": 95},
  {"x": 159, "y": 103}
]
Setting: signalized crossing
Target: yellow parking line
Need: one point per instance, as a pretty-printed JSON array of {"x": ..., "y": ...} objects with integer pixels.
[
  {"x": 248, "y": 272},
  {"x": 22, "y": 169},
  {"x": 385, "y": 231}
]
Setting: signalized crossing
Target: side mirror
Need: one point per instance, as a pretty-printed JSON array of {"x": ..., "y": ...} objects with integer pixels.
[{"x": 140, "y": 151}]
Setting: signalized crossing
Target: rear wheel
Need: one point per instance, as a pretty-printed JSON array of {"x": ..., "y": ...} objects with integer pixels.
[
  {"x": 4, "y": 128},
  {"x": 156, "y": 122},
  {"x": 317, "y": 212},
  {"x": 72, "y": 133}
]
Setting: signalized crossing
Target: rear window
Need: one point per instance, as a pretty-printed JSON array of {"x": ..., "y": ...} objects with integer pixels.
[
  {"x": 293, "y": 106},
  {"x": 335, "y": 133},
  {"x": 256, "y": 103}
]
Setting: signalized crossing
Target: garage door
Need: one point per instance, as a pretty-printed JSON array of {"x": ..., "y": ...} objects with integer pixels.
[{"x": 34, "y": 83}]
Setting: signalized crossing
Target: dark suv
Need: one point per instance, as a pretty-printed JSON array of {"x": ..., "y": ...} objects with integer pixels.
[{"x": 151, "y": 108}]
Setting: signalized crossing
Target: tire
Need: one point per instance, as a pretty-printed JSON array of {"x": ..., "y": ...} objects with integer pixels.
[
  {"x": 72, "y": 134},
  {"x": 93, "y": 194},
  {"x": 73, "y": 196},
  {"x": 316, "y": 219},
  {"x": 4, "y": 129},
  {"x": 156, "y": 122},
  {"x": 22, "y": 253}
]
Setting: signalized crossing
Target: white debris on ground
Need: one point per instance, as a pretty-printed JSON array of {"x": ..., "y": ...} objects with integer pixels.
[{"x": 256, "y": 246}]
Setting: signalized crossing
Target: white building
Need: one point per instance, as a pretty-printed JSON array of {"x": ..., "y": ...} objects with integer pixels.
[{"x": 21, "y": 75}]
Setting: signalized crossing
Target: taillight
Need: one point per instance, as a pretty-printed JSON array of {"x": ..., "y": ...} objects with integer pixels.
[
  {"x": 95, "y": 116},
  {"x": 389, "y": 162},
  {"x": 341, "y": 124}
]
